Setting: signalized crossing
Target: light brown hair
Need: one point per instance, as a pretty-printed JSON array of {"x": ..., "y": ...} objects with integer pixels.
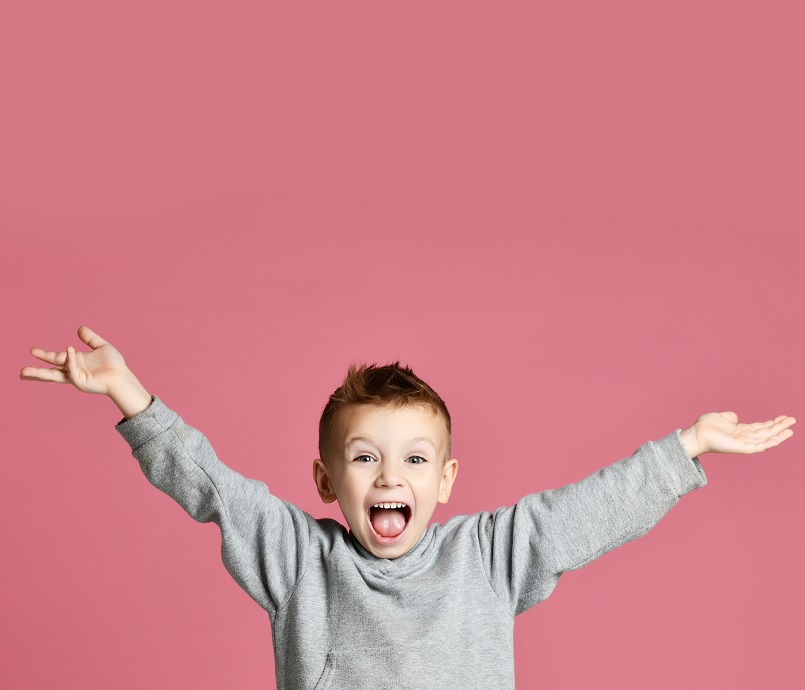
[{"x": 370, "y": 384}]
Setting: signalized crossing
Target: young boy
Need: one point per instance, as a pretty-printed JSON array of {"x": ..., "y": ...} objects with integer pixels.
[{"x": 396, "y": 601}]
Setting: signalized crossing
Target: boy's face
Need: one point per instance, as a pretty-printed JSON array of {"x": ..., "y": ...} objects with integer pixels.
[{"x": 383, "y": 455}]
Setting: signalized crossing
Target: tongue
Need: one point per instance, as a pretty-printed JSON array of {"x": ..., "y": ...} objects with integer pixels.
[{"x": 388, "y": 522}]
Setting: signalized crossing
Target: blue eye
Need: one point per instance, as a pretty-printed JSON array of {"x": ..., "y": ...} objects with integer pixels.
[
  {"x": 416, "y": 460},
  {"x": 360, "y": 458}
]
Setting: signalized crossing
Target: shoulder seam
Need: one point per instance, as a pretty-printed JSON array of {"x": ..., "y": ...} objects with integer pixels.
[
  {"x": 302, "y": 574},
  {"x": 483, "y": 568}
]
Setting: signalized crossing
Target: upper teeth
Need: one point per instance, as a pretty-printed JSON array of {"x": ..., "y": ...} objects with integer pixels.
[{"x": 389, "y": 505}]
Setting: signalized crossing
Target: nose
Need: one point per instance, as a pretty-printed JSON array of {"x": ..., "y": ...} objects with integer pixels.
[{"x": 388, "y": 475}]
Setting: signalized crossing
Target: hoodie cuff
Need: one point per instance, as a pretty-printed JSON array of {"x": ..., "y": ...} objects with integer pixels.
[
  {"x": 142, "y": 427},
  {"x": 684, "y": 473}
]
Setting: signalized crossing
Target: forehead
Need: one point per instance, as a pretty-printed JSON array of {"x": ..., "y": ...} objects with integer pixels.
[{"x": 388, "y": 424}]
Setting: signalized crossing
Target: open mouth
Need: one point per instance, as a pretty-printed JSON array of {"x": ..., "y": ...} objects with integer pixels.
[{"x": 389, "y": 521}]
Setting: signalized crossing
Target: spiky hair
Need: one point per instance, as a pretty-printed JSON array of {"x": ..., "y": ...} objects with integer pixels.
[{"x": 388, "y": 385}]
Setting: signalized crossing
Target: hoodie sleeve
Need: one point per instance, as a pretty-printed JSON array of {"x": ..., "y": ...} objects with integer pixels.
[
  {"x": 526, "y": 547},
  {"x": 263, "y": 538}
]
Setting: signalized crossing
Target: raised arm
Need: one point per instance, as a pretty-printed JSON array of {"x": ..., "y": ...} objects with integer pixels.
[
  {"x": 526, "y": 547},
  {"x": 264, "y": 539}
]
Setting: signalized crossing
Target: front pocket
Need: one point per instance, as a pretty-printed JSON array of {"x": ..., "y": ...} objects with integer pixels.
[
  {"x": 359, "y": 668},
  {"x": 326, "y": 674}
]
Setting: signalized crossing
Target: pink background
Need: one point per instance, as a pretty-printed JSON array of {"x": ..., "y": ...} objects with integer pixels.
[{"x": 583, "y": 226}]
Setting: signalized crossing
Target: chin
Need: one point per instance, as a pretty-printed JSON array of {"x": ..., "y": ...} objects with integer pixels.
[
  {"x": 391, "y": 554},
  {"x": 390, "y": 548}
]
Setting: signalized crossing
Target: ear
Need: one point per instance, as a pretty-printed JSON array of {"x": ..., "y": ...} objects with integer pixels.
[
  {"x": 323, "y": 483},
  {"x": 449, "y": 474}
]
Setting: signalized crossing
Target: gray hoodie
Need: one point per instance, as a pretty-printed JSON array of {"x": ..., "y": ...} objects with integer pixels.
[{"x": 441, "y": 615}]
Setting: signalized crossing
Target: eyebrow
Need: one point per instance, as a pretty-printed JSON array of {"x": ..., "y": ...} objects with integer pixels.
[
  {"x": 366, "y": 439},
  {"x": 354, "y": 439},
  {"x": 426, "y": 440}
]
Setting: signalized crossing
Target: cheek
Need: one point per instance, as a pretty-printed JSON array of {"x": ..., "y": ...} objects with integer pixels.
[
  {"x": 353, "y": 497},
  {"x": 428, "y": 491}
]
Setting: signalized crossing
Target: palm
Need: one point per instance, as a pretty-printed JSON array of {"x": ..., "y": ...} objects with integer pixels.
[
  {"x": 722, "y": 433},
  {"x": 90, "y": 372}
]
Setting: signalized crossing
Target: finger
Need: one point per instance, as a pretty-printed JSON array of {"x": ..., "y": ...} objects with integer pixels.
[
  {"x": 786, "y": 422},
  {"x": 769, "y": 432},
  {"x": 758, "y": 445},
  {"x": 774, "y": 421},
  {"x": 788, "y": 433},
  {"x": 70, "y": 366},
  {"x": 777, "y": 439},
  {"x": 58, "y": 358},
  {"x": 90, "y": 337},
  {"x": 780, "y": 423},
  {"x": 36, "y": 374}
]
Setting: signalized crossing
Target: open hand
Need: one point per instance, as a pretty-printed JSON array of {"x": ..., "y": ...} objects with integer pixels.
[
  {"x": 720, "y": 432},
  {"x": 91, "y": 372}
]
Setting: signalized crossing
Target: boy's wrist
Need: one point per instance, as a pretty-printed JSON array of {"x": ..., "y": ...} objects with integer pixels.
[
  {"x": 691, "y": 441},
  {"x": 129, "y": 394}
]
